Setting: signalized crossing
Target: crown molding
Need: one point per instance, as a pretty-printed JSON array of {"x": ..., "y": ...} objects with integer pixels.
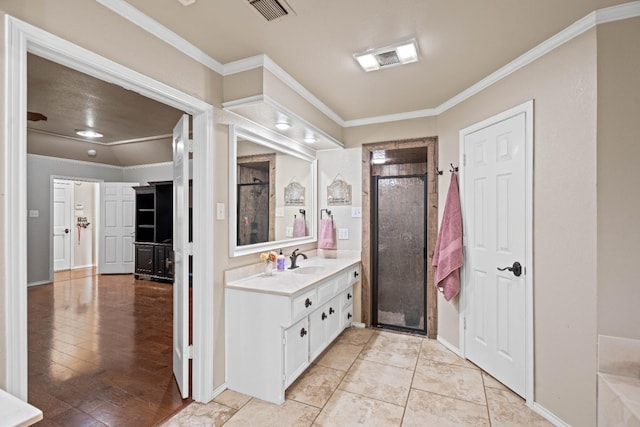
[
  {"x": 105, "y": 144},
  {"x": 152, "y": 26},
  {"x": 600, "y": 16}
]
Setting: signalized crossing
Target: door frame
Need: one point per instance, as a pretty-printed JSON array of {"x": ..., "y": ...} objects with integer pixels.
[
  {"x": 96, "y": 221},
  {"x": 21, "y": 38},
  {"x": 527, "y": 109},
  {"x": 431, "y": 143}
]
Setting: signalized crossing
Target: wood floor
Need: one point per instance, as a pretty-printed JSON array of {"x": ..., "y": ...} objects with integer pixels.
[{"x": 100, "y": 351}]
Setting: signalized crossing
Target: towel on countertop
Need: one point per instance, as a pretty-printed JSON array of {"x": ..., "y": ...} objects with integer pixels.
[
  {"x": 299, "y": 227},
  {"x": 448, "y": 257},
  {"x": 325, "y": 237}
]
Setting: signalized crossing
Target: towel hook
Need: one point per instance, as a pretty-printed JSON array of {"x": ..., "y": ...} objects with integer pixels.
[
  {"x": 303, "y": 212},
  {"x": 327, "y": 211},
  {"x": 453, "y": 168}
]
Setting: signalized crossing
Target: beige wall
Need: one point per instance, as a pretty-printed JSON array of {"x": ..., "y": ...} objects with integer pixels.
[
  {"x": 243, "y": 85},
  {"x": 563, "y": 86},
  {"x": 618, "y": 178},
  {"x": 392, "y": 131}
]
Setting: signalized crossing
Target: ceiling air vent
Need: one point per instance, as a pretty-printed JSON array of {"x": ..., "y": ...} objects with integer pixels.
[
  {"x": 387, "y": 58},
  {"x": 271, "y": 10}
]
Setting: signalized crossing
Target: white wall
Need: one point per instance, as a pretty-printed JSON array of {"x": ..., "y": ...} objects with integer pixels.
[
  {"x": 40, "y": 169},
  {"x": 145, "y": 174}
]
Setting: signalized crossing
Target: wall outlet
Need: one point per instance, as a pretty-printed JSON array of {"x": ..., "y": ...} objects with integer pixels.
[
  {"x": 219, "y": 211},
  {"x": 279, "y": 212},
  {"x": 343, "y": 234},
  {"x": 34, "y": 213},
  {"x": 356, "y": 212},
  {"x": 288, "y": 232}
]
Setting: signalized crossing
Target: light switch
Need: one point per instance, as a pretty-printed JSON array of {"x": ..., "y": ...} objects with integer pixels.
[
  {"x": 219, "y": 211},
  {"x": 34, "y": 213},
  {"x": 279, "y": 212},
  {"x": 288, "y": 232},
  {"x": 356, "y": 212},
  {"x": 343, "y": 234}
]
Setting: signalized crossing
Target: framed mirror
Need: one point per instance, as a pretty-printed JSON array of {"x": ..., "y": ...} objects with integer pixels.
[{"x": 272, "y": 193}]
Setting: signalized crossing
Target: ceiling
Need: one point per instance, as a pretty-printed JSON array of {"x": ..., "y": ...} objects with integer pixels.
[{"x": 460, "y": 43}]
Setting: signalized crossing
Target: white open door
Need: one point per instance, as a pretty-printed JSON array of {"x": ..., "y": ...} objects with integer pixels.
[
  {"x": 117, "y": 228},
  {"x": 181, "y": 253},
  {"x": 495, "y": 257},
  {"x": 61, "y": 225}
]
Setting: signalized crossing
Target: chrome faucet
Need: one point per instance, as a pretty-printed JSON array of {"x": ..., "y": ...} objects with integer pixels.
[{"x": 294, "y": 257}]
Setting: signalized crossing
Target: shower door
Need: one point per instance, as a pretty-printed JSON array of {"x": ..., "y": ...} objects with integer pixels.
[{"x": 399, "y": 252}]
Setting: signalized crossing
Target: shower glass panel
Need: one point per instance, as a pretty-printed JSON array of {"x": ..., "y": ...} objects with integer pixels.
[
  {"x": 399, "y": 242},
  {"x": 253, "y": 213}
]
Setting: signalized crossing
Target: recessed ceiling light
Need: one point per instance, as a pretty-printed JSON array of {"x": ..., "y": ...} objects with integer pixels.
[
  {"x": 88, "y": 133},
  {"x": 283, "y": 124},
  {"x": 91, "y": 153},
  {"x": 388, "y": 56},
  {"x": 309, "y": 138},
  {"x": 378, "y": 157}
]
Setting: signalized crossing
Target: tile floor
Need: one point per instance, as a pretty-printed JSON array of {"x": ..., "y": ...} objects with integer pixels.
[{"x": 375, "y": 378}]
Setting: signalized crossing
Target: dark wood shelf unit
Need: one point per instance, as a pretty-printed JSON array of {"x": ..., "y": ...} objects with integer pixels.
[{"x": 154, "y": 231}]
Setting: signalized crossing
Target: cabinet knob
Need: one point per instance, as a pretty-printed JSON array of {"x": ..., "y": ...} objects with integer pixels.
[
  {"x": 349, "y": 316},
  {"x": 303, "y": 332},
  {"x": 349, "y": 296},
  {"x": 307, "y": 303},
  {"x": 324, "y": 316},
  {"x": 355, "y": 274},
  {"x": 331, "y": 310}
]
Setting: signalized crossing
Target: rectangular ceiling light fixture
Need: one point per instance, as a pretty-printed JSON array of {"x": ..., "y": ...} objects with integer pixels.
[{"x": 388, "y": 56}]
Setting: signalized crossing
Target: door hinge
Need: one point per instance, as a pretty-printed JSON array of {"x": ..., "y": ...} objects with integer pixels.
[
  {"x": 464, "y": 160},
  {"x": 189, "y": 145},
  {"x": 464, "y": 323},
  {"x": 190, "y": 351},
  {"x": 284, "y": 340},
  {"x": 189, "y": 249}
]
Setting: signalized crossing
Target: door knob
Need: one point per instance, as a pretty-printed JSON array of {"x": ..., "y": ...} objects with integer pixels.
[
  {"x": 516, "y": 269},
  {"x": 66, "y": 230}
]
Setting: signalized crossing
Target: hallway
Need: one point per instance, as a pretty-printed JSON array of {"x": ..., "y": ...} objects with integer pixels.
[{"x": 100, "y": 351}]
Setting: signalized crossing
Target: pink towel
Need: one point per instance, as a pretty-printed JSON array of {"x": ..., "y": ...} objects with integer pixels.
[
  {"x": 447, "y": 258},
  {"x": 299, "y": 227},
  {"x": 325, "y": 237}
]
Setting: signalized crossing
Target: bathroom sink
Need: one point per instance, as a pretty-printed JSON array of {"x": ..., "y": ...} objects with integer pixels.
[{"x": 310, "y": 269}]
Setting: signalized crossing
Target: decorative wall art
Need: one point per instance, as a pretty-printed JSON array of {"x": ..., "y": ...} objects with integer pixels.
[
  {"x": 294, "y": 194},
  {"x": 339, "y": 192}
]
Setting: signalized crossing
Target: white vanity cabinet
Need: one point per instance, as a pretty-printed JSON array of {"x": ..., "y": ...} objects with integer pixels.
[{"x": 274, "y": 332}]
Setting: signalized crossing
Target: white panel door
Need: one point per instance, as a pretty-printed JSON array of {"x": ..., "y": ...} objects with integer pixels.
[
  {"x": 117, "y": 228},
  {"x": 181, "y": 254},
  {"x": 495, "y": 235},
  {"x": 62, "y": 224}
]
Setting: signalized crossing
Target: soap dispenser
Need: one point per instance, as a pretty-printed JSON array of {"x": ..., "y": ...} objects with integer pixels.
[{"x": 280, "y": 264}]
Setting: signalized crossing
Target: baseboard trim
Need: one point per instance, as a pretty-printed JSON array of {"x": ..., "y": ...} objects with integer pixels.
[
  {"x": 550, "y": 416},
  {"x": 82, "y": 267},
  {"x": 358, "y": 325},
  {"x": 219, "y": 390},
  {"x": 448, "y": 345},
  {"x": 40, "y": 283}
]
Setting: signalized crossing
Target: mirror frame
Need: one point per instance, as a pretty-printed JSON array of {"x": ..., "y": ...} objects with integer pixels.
[{"x": 236, "y": 132}]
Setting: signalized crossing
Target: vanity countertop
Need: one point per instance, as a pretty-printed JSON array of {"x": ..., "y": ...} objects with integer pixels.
[{"x": 291, "y": 282}]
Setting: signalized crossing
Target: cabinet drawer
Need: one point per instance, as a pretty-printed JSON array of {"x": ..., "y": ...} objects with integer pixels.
[
  {"x": 327, "y": 290},
  {"x": 304, "y": 304},
  {"x": 354, "y": 274},
  {"x": 347, "y": 317},
  {"x": 347, "y": 297}
]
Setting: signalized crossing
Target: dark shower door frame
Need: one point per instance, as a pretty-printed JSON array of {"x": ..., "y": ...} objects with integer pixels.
[
  {"x": 240, "y": 207},
  {"x": 375, "y": 255}
]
